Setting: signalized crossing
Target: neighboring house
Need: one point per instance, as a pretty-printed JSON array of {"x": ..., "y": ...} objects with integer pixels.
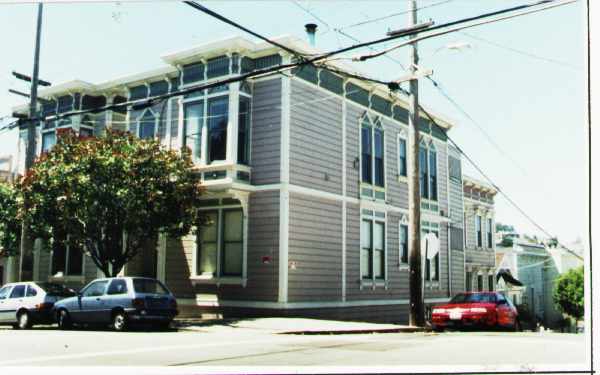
[
  {"x": 480, "y": 244},
  {"x": 306, "y": 178},
  {"x": 537, "y": 267}
]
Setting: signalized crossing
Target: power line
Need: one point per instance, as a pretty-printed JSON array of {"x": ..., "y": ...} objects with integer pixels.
[
  {"x": 546, "y": 4},
  {"x": 391, "y": 15},
  {"x": 515, "y": 205},
  {"x": 483, "y": 131},
  {"x": 520, "y": 52}
]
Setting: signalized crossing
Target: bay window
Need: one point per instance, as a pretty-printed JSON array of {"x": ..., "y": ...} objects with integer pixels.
[
  {"x": 243, "y": 151},
  {"x": 147, "y": 125},
  {"x": 372, "y": 159},
  {"x": 192, "y": 129},
  {"x": 218, "y": 115}
]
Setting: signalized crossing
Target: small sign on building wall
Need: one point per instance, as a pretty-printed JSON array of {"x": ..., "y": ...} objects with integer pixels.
[{"x": 292, "y": 265}]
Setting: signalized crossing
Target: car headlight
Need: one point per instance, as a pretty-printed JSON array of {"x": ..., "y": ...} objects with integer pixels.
[
  {"x": 478, "y": 310},
  {"x": 438, "y": 311}
]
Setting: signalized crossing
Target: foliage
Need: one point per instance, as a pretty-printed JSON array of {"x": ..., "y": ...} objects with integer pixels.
[
  {"x": 507, "y": 241},
  {"x": 10, "y": 225},
  {"x": 568, "y": 293},
  {"x": 504, "y": 228},
  {"x": 110, "y": 195}
]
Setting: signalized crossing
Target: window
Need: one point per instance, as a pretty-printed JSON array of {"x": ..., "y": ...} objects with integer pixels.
[
  {"x": 117, "y": 286},
  {"x": 220, "y": 243},
  {"x": 372, "y": 249},
  {"x": 31, "y": 292},
  {"x": 454, "y": 169},
  {"x": 379, "y": 171},
  {"x": 218, "y": 109},
  {"x": 489, "y": 233},
  {"x": 402, "y": 167},
  {"x": 243, "y": 151},
  {"x": 4, "y": 292},
  {"x": 18, "y": 292},
  {"x": 66, "y": 259},
  {"x": 147, "y": 125},
  {"x": 468, "y": 281},
  {"x": 192, "y": 129},
  {"x": 456, "y": 238},
  {"x": 478, "y": 230},
  {"x": 428, "y": 171},
  {"x": 95, "y": 289},
  {"x": 48, "y": 141},
  {"x": 367, "y": 148},
  {"x": 480, "y": 283},
  {"x": 372, "y": 158},
  {"x": 403, "y": 243},
  {"x": 86, "y": 132},
  {"x": 491, "y": 283}
]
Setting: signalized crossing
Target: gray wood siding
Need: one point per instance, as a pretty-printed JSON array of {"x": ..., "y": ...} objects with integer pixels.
[
  {"x": 396, "y": 191},
  {"x": 455, "y": 200},
  {"x": 442, "y": 165},
  {"x": 315, "y": 244},
  {"x": 315, "y": 138},
  {"x": 458, "y": 271},
  {"x": 178, "y": 265},
  {"x": 480, "y": 257},
  {"x": 353, "y": 113},
  {"x": 265, "y": 156}
]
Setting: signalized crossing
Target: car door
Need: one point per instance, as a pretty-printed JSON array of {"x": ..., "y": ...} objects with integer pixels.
[
  {"x": 91, "y": 302},
  {"x": 6, "y": 312},
  {"x": 15, "y": 301}
]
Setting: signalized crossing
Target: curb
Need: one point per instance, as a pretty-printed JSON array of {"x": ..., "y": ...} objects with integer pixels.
[{"x": 359, "y": 331}]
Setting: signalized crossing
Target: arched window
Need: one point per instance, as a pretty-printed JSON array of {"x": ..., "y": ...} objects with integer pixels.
[
  {"x": 147, "y": 125},
  {"x": 372, "y": 148},
  {"x": 428, "y": 170}
]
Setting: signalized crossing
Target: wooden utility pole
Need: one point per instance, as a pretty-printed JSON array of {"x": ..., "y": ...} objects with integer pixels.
[
  {"x": 30, "y": 147},
  {"x": 417, "y": 311}
]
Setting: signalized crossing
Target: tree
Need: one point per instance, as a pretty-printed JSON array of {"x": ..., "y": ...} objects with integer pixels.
[
  {"x": 10, "y": 224},
  {"x": 568, "y": 293},
  {"x": 110, "y": 195}
]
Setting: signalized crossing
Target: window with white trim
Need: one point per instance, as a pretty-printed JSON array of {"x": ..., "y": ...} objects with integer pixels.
[
  {"x": 372, "y": 245},
  {"x": 428, "y": 184},
  {"x": 478, "y": 230},
  {"x": 372, "y": 147},
  {"x": 402, "y": 156},
  {"x": 220, "y": 243},
  {"x": 432, "y": 266},
  {"x": 403, "y": 234},
  {"x": 480, "y": 283},
  {"x": 147, "y": 125},
  {"x": 489, "y": 233}
]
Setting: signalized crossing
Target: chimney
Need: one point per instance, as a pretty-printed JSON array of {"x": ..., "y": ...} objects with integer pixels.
[{"x": 311, "y": 29}]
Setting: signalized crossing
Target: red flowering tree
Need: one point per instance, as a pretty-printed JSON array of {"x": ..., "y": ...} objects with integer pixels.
[
  {"x": 110, "y": 195},
  {"x": 10, "y": 225}
]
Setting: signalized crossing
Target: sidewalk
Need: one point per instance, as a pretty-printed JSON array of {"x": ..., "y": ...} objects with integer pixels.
[{"x": 295, "y": 326}]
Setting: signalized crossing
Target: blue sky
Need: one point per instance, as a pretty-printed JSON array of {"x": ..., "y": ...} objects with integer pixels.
[{"x": 533, "y": 109}]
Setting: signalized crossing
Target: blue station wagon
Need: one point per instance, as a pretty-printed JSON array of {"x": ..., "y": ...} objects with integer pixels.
[{"x": 119, "y": 302}]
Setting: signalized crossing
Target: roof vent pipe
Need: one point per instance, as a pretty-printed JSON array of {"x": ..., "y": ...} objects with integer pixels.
[{"x": 311, "y": 29}]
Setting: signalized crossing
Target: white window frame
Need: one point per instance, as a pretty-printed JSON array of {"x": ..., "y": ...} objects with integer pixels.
[
  {"x": 219, "y": 278},
  {"x": 375, "y": 217},
  {"x": 402, "y": 136},
  {"x": 403, "y": 223},
  {"x": 479, "y": 216},
  {"x": 375, "y": 122},
  {"x": 427, "y": 144},
  {"x": 138, "y": 121}
]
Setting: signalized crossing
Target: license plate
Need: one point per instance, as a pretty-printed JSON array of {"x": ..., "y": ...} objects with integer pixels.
[{"x": 455, "y": 315}]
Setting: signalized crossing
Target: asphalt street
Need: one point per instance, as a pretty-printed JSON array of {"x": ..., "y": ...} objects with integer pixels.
[{"x": 234, "y": 346}]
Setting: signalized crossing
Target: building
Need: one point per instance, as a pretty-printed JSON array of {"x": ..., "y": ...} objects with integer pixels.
[
  {"x": 306, "y": 177},
  {"x": 536, "y": 266},
  {"x": 480, "y": 244}
]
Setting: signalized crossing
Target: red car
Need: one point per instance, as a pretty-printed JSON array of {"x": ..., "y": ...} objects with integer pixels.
[{"x": 477, "y": 309}]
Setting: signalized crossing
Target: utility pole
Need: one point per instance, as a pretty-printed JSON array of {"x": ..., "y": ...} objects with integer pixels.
[
  {"x": 26, "y": 241},
  {"x": 417, "y": 310}
]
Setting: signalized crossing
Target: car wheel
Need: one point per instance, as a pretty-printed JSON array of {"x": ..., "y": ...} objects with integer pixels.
[
  {"x": 64, "y": 320},
  {"x": 119, "y": 321},
  {"x": 23, "y": 320}
]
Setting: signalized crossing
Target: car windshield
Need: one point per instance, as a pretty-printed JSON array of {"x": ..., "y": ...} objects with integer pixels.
[
  {"x": 149, "y": 286},
  {"x": 473, "y": 297},
  {"x": 57, "y": 290}
]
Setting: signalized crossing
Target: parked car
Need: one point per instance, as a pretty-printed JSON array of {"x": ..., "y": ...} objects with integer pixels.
[
  {"x": 119, "y": 302},
  {"x": 476, "y": 309},
  {"x": 27, "y": 303}
]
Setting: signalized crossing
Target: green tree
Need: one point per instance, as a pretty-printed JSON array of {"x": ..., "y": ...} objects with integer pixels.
[
  {"x": 10, "y": 224},
  {"x": 568, "y": 293},
  {"x": 110, "y": 195}
]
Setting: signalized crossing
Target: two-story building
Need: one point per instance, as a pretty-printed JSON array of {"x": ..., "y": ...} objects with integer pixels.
[{"x": 306, "y": 177}]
